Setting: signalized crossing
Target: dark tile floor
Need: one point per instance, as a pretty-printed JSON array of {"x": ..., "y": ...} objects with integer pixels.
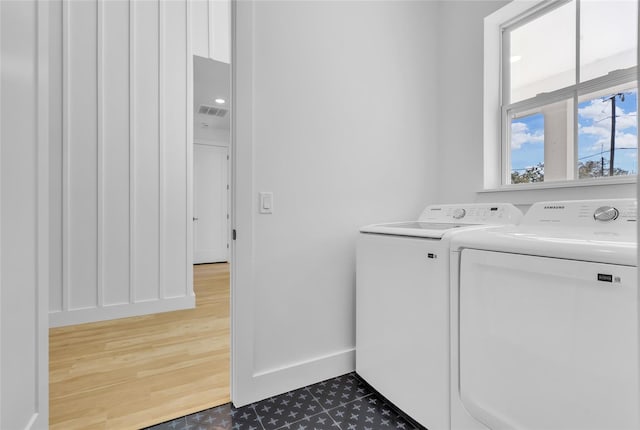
[{"x": 342, "y": 403}]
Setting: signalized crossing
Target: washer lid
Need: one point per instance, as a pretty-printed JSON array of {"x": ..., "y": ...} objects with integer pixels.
[
  {"x": 414, "y": 228},
  {"x": 435, "y": 221}
]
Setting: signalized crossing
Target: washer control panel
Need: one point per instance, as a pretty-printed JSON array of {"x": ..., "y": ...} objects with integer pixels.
[
  {"x": 472, "y": 213},
  {"x": 459, "y": 213}
]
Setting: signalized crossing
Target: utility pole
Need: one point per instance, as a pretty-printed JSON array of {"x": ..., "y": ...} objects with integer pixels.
[{"x": 612, "y": 150}]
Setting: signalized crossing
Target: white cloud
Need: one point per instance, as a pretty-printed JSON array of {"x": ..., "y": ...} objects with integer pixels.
[
  {"x": 627, "y": 120},
  {"x": 595, "y": 111},
  {"x": 520, "y": 135},
  {"x": 599, "y": 113},
  {"x": 626, "y": 140},
  {"x": 596, "y": 131},
  {"x": 623, "y": 140}
]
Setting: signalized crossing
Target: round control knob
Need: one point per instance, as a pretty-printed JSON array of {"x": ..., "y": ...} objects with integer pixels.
[
  {"x": 606, "y": 213},
  {"x": 459, "y": 213}
]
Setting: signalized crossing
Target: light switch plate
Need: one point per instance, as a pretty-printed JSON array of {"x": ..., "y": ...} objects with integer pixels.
[{"x": 265, "y": 204}]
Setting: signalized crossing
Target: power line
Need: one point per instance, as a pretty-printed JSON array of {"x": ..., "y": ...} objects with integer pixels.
[
  {"x": 609, "y": 117},
  {"x": 581, "y": 158},
  {"x": 602, "y": 152}
]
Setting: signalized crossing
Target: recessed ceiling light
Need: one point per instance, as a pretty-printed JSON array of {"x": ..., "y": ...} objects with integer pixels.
[
  {"x": 220, "y": 101},
  {"x": 516, "y": 58}
]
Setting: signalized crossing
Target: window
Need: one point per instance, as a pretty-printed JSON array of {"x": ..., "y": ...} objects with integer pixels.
[{"x": 568, "y": 97}]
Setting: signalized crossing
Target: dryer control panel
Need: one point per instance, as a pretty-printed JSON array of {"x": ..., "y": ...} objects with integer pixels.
[
  {"x": 607, "y": 214},
  {"x": 472, "y": 213}
]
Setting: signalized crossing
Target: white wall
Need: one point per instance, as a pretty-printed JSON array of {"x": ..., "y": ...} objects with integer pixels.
[
  {"x": 24, "y": 213},
  {"x": 122, "y": 88},
  {"x": 210, "y": 136},
  {"x": 460, "y": 95},
  {"x": 336, "y": 115},
  {"x": 460, "y": 129}
]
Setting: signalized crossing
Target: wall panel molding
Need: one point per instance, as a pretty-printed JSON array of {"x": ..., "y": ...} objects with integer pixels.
[
  {"x": 174, "y": 212},
  {"x": 82, "y": 144},
  {"x": 126, "y": 169},
  {"x": 100, "y": 152},
  {"x": 189, "y": 151},
  {"x": 132, "y": 152},
  {"x": 81, "y": 316},
  {"x": 115, "y": 151},
  {"x": 161, "y": 147},
  {"x": 65, "y": 156}
]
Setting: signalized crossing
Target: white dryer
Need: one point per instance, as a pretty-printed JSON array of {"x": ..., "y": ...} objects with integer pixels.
[
  {"x": 544, "y": 321},
  {"x": 402, "y": 305}
]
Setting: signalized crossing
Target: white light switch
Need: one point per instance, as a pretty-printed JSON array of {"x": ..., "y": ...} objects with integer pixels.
[{"x": 266, "y": 202}]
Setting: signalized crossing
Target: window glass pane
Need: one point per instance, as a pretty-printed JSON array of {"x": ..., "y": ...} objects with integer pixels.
[
  {"x": 527, "y": 149},
  {"x": 595, "y": 128},
  {"x": 608, "y": 36},
  {"x": 542, "y": 56}
]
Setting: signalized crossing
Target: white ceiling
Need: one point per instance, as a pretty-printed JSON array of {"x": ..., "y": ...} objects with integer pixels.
[
  {"x": 212, "y": 80},
  {"x": 543, "y": 50}
]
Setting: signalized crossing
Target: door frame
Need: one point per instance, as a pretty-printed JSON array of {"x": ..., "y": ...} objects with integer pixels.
[
  {"x": 44, "y": 207},
  {"x": 38, "y": 67},
  {"x": 240, "y": 215}
]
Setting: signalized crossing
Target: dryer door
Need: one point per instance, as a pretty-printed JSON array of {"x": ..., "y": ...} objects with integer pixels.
[{"x": 548, "y": 343}]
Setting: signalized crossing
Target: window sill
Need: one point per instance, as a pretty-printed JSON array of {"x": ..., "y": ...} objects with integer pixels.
[{"x": 562, "y": 184}]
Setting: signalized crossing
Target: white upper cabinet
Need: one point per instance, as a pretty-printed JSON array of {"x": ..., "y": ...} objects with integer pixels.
[{"x": 211, "y": 29}]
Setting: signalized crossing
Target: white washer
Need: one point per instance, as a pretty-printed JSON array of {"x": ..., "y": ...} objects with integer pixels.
[
  {"x": 402, "y": 305},
  {"x": 544, "y": 321}
]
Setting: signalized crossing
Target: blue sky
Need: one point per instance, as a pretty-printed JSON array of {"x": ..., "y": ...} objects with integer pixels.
[
  {"x": 594, "y": 134},
  {"x": 527, "y": 142}
]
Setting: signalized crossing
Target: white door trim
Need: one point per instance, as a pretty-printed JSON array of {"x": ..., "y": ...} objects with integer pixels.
[
  {"x": 31, "y": 411},
  {"x": 44, "y": 274},
  {"x": 241, "y": 207}
]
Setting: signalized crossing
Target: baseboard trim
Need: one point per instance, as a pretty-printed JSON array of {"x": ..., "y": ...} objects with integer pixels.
[
  {"x": 272, "y": 382},
  {"x": 88, "y": 315}
]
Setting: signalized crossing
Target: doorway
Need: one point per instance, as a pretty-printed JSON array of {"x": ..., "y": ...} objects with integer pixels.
[
  {"x": 139, "y": 371},
  {"x": 212, "y": 137}
]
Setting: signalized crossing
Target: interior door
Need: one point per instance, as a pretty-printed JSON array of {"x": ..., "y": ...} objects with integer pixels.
[{"x": 211, "y": 204}]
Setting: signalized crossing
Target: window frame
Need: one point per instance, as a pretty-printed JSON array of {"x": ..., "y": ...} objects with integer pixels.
[{"x": 498, "y": 109}]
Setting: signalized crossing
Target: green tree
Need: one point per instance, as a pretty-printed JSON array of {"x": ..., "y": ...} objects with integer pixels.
[
  {"x": 586, "y": 169},
  {"x": 530, "y": 174},
  {"x": 595, "y": 169}
]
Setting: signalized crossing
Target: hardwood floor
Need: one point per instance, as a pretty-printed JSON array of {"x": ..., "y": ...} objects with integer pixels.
[{"x": 135, "y": 372}]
